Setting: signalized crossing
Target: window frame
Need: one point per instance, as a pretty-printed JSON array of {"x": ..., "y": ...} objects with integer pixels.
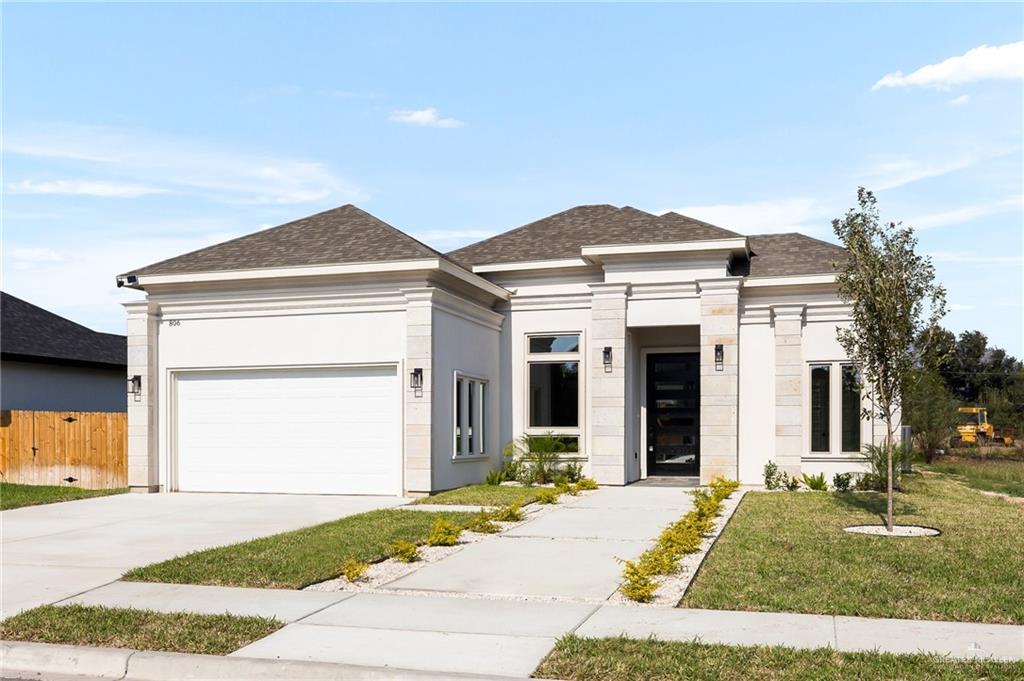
[
  {"x": 470, "y": 396},
  {"x": 578, "y": 356},
  {"x": 835, "y": 423}
]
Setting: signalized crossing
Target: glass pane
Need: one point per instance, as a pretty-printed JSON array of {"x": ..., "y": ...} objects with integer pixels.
[
  {"x": 554, "y": 394},
  {"x": 819, "y": 408},
  {"x": 458, "y": 416},
  {"x": 851, "y": 409},
  {"x": 483, "y": 418},
  {"x": 471, "y": 401},
  {"x": 555, "y": 343}
]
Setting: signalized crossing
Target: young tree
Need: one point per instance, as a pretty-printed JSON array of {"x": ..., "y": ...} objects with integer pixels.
[{"x": 894, "y": 299}]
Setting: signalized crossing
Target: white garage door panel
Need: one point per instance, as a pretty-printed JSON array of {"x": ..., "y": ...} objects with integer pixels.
[{"x": 329, "y": 431}]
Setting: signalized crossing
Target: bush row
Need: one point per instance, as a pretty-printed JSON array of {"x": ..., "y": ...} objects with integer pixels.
[{"x": 678, "y": 539}]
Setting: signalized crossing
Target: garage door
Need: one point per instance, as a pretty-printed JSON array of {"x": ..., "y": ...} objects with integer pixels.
[{"x": 324, "y": 431}]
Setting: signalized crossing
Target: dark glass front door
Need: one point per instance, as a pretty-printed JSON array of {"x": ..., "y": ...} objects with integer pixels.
[{"x": 673, "y": 413}]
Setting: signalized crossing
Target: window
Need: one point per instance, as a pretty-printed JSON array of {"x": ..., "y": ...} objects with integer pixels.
[
  {"x": 820, "y": 407},
  {"x": 470, "y": 406},
  {"x": 835, "y": 430},
  {"x": 851, "y": 408},
  {"x": 553, "y": 367}
]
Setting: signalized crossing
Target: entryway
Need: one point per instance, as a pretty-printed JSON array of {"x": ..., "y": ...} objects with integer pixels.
[{"x": 673, "y": 413}]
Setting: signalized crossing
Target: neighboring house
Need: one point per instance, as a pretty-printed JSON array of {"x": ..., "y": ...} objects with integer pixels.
[
  {"x": 49, "y": 363},
  {"x": 336, "y": 354}
]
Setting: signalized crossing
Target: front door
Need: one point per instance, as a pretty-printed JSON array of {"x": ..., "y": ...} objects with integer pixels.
[{"x": 673, "y": 413}]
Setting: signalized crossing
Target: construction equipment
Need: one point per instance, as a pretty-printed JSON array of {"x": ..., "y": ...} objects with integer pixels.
[{"x": 974, "y": 429}]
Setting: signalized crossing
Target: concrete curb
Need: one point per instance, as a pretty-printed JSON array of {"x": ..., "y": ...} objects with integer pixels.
[{"x": 24, "y": 660}]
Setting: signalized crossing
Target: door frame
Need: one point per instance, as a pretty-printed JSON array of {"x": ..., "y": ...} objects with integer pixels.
[
  {"x": 644, "y": 352},
  {"x": 168, "y": 457}
]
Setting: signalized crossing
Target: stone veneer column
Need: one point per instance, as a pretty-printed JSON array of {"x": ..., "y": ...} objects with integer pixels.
[
  {"x": 788, "y": 321},
  {"x": 419, "y": 313},
  {"x": 143, "y": 461},
  {"x": 719, "y": 389},
  {"x": 607, "y": 412}
]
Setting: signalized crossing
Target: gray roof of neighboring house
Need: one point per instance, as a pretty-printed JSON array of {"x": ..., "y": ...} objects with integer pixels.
[
  {"x": 338, "y": 236},
  {"x": 30, "y": 333},
  {"x": 562, "y": 235},
  {"x": 791, "y": 254}
]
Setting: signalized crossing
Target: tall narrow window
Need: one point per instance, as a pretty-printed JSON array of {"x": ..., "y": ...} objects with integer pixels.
[
  {"x": 554, "y": 382},
  {"x": 470, "y": 415},
  {"x": 851, "y": 408},
  {"x": 820, "y": 407}
]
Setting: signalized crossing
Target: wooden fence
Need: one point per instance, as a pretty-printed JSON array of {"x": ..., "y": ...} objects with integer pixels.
[{"x": 68, "y": 448}]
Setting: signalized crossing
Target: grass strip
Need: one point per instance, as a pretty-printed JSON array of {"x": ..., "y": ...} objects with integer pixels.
[
  {"x": 14, "y": 495},
  {"x": 292, "y": 560},
  {"x": 621, "y": 659},
  {"x": 139, "y": 629},
  {"x": 483, "y": 495}
]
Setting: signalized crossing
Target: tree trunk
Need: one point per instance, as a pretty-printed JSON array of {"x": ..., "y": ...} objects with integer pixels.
[{"x": 888, "y": 481}]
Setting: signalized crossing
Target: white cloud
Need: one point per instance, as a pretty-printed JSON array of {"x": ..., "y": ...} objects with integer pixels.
[
  {"x": 893, "y": 173},
  {"x": 184, "y": 165},
  {"x": 448, "y": 235},
  {"x": 960, "y": 101},
  {"x": 970, "y": 257},
  {"x": 965, "y": 213},
  {"x": 31, "y": 257},
  {"x": 428, "y": 118},
  {"x": 999, "y": 62},
  {"x": 959, "y": 307},
  {"x": 100, "y": 188},
  {"x": 760, "y": 217}
]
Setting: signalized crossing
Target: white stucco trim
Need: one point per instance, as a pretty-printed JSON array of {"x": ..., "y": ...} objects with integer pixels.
[
  {"x": 531, "y": 265},
  {"x": 596, "y": 253},
  {"x": 789, "y": 280}
]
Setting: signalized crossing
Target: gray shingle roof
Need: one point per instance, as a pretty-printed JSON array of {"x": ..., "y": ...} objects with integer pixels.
[
  {"x": 562, "y": 235},
  {"x": 338, "y": 236},
  {"x": 30, "y": 333},
  {"x": 792, "y": 253}
]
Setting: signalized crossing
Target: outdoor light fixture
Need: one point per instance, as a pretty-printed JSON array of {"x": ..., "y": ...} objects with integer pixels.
[
  {"x": 134, "y": 384},
  {"x": 416, "y": 379},
  {"x": 606, "y": 357},
  {"x": 719, "y": 357}
]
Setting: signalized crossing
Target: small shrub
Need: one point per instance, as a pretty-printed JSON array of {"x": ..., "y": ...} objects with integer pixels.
[
  {"x": 536, "y": 457},
  {"x": 574, "y": 470},
  {"x": 681, "y": 538},
  {"x": 773, "y": 477},
  {"x": 494, "y": 478},
  {"x": 842, "y": 482},
  {"x": 561, "y": 481},
  {"x": 876, "y": 457},
  {"x": 547, "y": 496},
  {"x": 443, "y": 533},
  {"x": 482, "y": 524},
  {"x": 511, "y": 469},
  {"x": 705, "y": 504},
  {"x": 657, "y": 561},
  {"x": 586, "y": 484},
  {"x": 702, "y": 524},
  {"x": 354, "y": 570},
  {"x": 405, "y": 551},
  {"x": 792, "y": 484},
  {"x": 572, "y": 489},
  {"x": 721, "y": 487},
  {"x": 639, "y": 586},
  {"x": 508, "y": 514},
  {"x": 815, "y": 482}
]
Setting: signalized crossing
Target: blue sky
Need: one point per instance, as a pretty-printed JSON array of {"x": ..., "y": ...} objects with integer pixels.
[{"x": 136, "y": 132}]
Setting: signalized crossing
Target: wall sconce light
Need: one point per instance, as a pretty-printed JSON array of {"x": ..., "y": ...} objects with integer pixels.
[
  {"x": 719, "y": 357},
  {"x": 416, "y": 381},
  {"x": 606, "y": 357},
  {"x": 135, "y": 386}
]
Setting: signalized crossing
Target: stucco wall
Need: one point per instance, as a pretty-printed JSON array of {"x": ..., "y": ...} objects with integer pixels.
[
  {"x": 471, "y": 348},
  {"x": 51, "y": 387}
]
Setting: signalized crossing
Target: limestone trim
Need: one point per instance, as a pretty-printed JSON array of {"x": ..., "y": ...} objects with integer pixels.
[{"x": 788, "y": 321}]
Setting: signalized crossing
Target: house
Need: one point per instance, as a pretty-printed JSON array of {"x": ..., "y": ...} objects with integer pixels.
[
  {"x": 49, "y": 363},
  {"x": 336, "y": 354}
]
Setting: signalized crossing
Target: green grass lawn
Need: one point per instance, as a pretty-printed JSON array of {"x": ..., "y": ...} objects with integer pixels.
[
  {"x": 619, "y": 659},
  {"x": 483, "y": 495},
  {"x": 990, "y": 474},
  {"x": 139, "y": 629},
  {"x": 13, "y": 495},
  {"x": 787, "y": 552},
  {"x": 292, "y": 560}
]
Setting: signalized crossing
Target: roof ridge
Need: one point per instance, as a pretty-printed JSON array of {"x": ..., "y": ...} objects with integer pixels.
[
  {"x": 533, "y": 222},
  {"x": 802, "y": 236},
  {"x": 701, "y": 222}
]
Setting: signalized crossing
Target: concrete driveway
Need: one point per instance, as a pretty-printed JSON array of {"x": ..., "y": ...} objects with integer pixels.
[{"x": 56, "y": 551}]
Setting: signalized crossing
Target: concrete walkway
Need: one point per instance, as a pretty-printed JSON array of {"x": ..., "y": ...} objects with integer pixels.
[
  {"x": 497, "y": 606},
  {"x": 55, "y": 551}
]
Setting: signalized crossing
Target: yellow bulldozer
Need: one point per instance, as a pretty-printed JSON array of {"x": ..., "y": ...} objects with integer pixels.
[{"x": 974, "y": 429}]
